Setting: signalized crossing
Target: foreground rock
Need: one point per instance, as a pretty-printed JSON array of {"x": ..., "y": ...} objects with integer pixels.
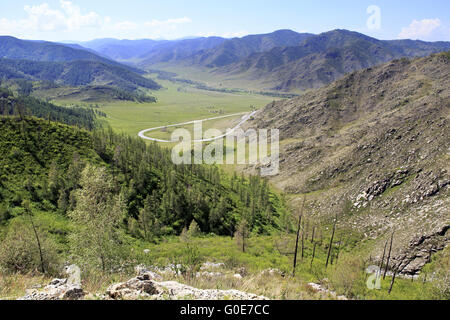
[
  {"x": 144, "y": 287},
  {"x": 319, "y": 289},
  {"x": 136, "y": 288},
  {"x": 60, "y": 289}
]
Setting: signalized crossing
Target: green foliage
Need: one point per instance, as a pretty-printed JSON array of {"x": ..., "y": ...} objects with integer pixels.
[
  {"x": 75, "y": 73},
  {"x": 45, "y": 160},
  {"x": 191, "y": 261},
  {"x": 194, "y": 230},
  {"x": 348, "y": 275},
  {"x": 108, "y": 184},
  {"x": 19, "y": 251},
  {"x": 23, "y": 106},
  {"x": 96, "y": 240}
]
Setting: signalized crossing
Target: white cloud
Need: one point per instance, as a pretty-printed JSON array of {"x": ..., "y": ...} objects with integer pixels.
[
  {"x": 125, "y": 25},
  {"x": 43, "y": 18},
  {"x": 69, "y": 18},
  {"x": 422, "y": 29},
  {"x": 228, "y": 35},
  {"x": 169, "y": 22}
]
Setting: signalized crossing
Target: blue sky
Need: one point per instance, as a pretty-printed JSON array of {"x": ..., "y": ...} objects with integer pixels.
[{"x": 78, "y": 20}]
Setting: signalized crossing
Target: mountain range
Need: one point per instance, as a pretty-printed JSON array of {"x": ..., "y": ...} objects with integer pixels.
[
  {"x": 64, "y": 64},
  {"x": 283, "y": 60},
  {"x": 322, "y": 59}
]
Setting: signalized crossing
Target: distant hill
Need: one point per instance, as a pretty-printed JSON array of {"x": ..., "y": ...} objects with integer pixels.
[
  {"x": 321, "y": 59},
  {"x": 286, "y": 60},
  {"x": 234, "y": 50},
  {"x": 373, "y": 145},
  {"x": 75, "y": 73},
  {"x": 13, "y": 48},
  {"x": 217, "y": 52},
  {"x": 121, "y": 49},
  {"x": 176, "y": 51}
]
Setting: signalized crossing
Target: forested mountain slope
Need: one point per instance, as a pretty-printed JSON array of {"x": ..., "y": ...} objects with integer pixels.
[
  {"x": 75, "y": 73},
  {"x": 13, "y": 48},
  {"x": 43, "y": 161},
  {"x": 22, "y": 106}
]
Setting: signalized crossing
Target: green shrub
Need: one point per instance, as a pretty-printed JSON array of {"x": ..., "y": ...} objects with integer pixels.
[
  {"x": 19, "y": 251},
  {"x": 348, "y": 276}
]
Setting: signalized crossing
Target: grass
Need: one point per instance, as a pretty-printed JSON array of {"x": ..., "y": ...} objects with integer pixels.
[
  {"x": 176, "y": 104},
  {"x": 214, "y": 79},
  {"x": 346, "y": 276},
  {"x": 220, "y": 124},
  {"x": 14, "y": 286}
]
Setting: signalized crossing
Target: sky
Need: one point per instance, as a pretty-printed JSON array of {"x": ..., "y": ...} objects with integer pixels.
[{"x": 83, "y": 20}]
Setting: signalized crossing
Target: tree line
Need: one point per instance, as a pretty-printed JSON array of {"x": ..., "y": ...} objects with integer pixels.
[{"x": 25, "y": 106}]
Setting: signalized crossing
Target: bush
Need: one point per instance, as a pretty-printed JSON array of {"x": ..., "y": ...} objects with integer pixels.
[
  {"x": 190, "y": 261},
  {"x": 5, "y": 213},
  {"x": 194, "y": 230},
  {"x": 19, "y": 251},
  {"x": 347, "y": 277}
]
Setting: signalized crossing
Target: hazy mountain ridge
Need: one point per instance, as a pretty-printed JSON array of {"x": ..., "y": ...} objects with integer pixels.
[
  {"x": 175, "y": 51},
  {"x": 210, "y": 51},
  {"x": 121, "y": 49},
  {"x": 236, "y": 49}
]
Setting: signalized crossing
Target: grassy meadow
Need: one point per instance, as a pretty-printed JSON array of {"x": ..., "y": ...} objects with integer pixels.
[{"x": 176, "y": 104}]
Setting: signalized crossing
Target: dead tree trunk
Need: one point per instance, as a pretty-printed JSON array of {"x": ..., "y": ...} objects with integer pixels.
[
  {"x": 298, "y": 238},
  {"x": 396, "y": 272},
  {"x": 338, "y": 250},
  {"x": 303, "y": 244},
  {"x": 382, "y": 259},
  {"x": 331, "y": 242},
  {"x": 389, "y": 257},
  {"x": 313, "y": 234},
  {"x": 36, "y": 235},
  {"x": 313, "y": 256},
  {"x": 38, "y": 241}
]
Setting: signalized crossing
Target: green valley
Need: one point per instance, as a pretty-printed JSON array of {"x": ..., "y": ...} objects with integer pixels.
[{"x": 347, "y": 197}]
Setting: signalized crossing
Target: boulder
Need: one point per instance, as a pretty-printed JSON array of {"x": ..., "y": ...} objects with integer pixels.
[
  {"x": 60, "y": 289},
  {"x": 139, "y": 287}
]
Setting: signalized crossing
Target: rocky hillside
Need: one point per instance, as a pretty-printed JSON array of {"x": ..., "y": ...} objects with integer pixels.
[
  {"x": 322, "y": 59},
  {"x": 373, "y": 146}
]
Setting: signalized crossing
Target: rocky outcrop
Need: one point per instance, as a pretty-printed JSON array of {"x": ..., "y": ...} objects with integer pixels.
[
  {"x": 178, "y": 291},
  {"x": 137, "y": 288},
  {"x": 319, "y": 289},
  {"x": 145, "y": 287},
  {"x": 60, "y": 289},
  {"x": 413, "y": 258}
]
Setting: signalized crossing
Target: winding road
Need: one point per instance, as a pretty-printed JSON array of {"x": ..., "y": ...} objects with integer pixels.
[{"x": 244, "y": 119}]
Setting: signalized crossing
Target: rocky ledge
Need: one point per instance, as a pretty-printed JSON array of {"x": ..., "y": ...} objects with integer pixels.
[
  {"x": 144, "y": 287},
  {"x": 147, "y": 285}
]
